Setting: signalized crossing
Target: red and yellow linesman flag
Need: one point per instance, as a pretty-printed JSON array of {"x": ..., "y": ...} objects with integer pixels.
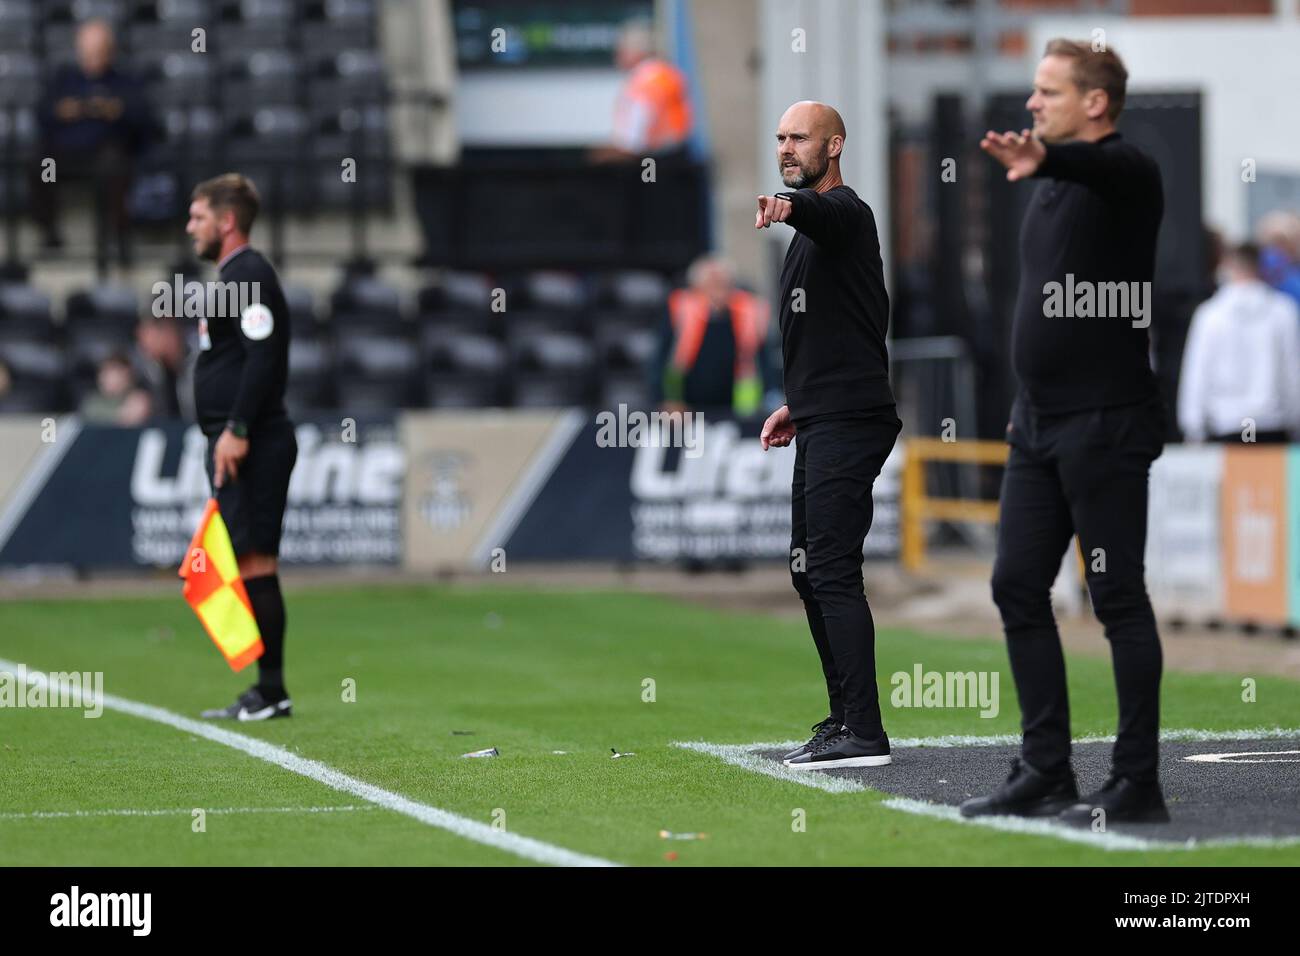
[{"x": 216, "y": 592}]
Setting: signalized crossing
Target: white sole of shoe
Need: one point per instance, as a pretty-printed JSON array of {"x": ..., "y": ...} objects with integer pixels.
[{"x": 881, "y": 761}]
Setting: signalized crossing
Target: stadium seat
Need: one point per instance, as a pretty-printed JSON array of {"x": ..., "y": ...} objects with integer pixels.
[
  {"x": 33, "y": 396},
  {"x": 376, "y": 396},
  {"x": 632, "y": 290},
  {"x": 348, "y": 77},
  {"x": 463, "y": 368},
  {"x": 20, "y": 79},
  {"x": 367, "y": 300},
  {"x": 24, "y": 303},
  {"x": 249, "y": 25},
  {"x": 30, "y": 357},
  {"x": 311, "y": 368},
  {"x": 89, "y": 342},
  {"x": 167, "y": 25},
  {"x": 176, "y": 79},
  {"x": 546, "y": 291},
  {"x": 195, "y": 126},
  {"x": 552, "y": 366},
  {"x": 20, "y": 19},
  {"x": 461, "y": 292},
  {"x": 625, "y": 346},
  {"x": 332, "y": 25},
  {"x": 108, "y": 302},
  {"x": 302, "y": 308},
  {"x": 264, "y": 77},
  {"x": 627, "y": 389}
]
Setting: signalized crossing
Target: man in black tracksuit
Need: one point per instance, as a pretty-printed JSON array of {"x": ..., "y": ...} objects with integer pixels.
[
  {"x": 1085, "y": 426},
  {"x": 834, "y": 313},
  {"x": 239, "y": 384}
]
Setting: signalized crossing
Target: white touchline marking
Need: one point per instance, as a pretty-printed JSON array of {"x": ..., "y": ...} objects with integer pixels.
[
  {"x": 1231, "y": 758},
  {"x": 746, "y": 757},
  {"x": 217, "y": 811},
  {"x": 1061, "y": 831},
  {"x": 522, "y": 846},
  {"x": 1187, "y": 735},
  {"x": 741, "y": 755}
]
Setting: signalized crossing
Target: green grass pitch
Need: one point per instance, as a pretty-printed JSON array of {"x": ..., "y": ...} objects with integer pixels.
[{"x": 529, "y": 672}]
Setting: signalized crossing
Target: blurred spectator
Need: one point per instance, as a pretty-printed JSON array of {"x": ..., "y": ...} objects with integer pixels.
[
  {"x": 1278, "y": 234},
  {"x": 118, "y": 400},
  {"x": 1242, "y": 359},
  {"x": 163, "y": 367},
  {"x": 711, "y": 342},
  {"x": 94, "y": 119},
  {"x": 653, "y": 113}
]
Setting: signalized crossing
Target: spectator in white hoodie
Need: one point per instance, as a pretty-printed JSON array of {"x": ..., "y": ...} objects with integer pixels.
[{"x": 1241, "y": 365}]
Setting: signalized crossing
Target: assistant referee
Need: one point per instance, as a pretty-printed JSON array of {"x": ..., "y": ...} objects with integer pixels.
[
  {"x": 1085, "y": 426},
  {"x": 239, "y": 385},
  {"x": 834, "y": 314}
]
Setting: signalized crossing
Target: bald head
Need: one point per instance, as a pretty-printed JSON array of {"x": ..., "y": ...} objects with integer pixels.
[
  {"x": 809, "y": 140},
  {"x": 824, "y": 121},
  {"x": 95, "y": 47}
]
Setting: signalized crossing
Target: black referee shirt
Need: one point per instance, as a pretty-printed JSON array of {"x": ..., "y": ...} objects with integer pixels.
[
  {"x": 834, "y": 308},
  {"x": 1095, "y": 217},
  {"x": 243, "y": 364}
]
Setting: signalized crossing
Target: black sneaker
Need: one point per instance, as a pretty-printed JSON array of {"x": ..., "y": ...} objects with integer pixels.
[
  {"x": 1026, "y": 793},
  {"x": 821, "y": 731},
  {"x": 844, "y": 749},
  {"x": 251, "y": 705},
  {"x": 1123, "y": 800}
]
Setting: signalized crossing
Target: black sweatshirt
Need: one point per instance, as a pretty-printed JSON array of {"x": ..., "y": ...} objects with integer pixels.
[
  {"x": 834, "y": 308},
  {"x": 1094, "y": 217},
  {"x": 243, "y": 364}
]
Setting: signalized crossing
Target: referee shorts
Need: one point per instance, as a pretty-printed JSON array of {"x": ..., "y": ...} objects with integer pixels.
[{"x": 252, "y": 505}]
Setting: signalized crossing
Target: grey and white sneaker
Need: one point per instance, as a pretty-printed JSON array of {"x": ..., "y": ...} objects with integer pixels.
[
  {"x": 252, "y": 705},
  {"x": 822, "y": 730},
  {"x": 844, "y": 749}
]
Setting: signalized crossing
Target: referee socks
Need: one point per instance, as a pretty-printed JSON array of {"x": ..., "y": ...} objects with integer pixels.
[{"x": 268, "y": 608}]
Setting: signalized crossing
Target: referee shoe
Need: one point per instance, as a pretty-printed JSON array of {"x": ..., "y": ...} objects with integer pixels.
[
  {"x": 252, "y": 705},
  {"x": 844, "y": 749},
  {"x": 826, "y": 728}
]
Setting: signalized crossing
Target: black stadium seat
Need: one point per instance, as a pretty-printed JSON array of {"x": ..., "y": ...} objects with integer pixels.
[
  {"x": 20, "y": 19},
  {"x": 367, "y": 300},
  {"x": 460, "y": 293},
  {"x": 176, "y": 78},
  {"x": 24, "y": 302},
  {"x": 89, "y": 342},
  {"x": 264, "y": 77},
  {"x": 33, "y": 396},
  {"x": 463, "y": 368},
  {"x": 302, "y": 308},
  {"x": 20, "y": 79},
  {"x": 109, "y": 302}
]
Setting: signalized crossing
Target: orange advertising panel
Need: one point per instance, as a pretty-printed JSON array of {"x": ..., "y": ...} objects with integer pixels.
[{"x": 1254, "y": 534}]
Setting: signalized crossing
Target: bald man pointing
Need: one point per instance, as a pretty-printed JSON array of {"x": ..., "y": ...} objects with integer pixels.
[{"x": 834, "y": 313}]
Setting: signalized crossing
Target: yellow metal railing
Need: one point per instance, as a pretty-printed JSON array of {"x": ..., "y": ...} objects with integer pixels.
[{"x": 918, "y": 507}]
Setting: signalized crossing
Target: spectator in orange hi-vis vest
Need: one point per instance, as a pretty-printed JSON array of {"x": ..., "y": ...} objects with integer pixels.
[
  {"x": 652, "y": 115},
  {"x": 711, "y": 344}
]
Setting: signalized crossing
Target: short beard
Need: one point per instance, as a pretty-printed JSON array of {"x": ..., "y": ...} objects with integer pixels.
[
  {"x": 211, "y": 252},
  {"x": 806, "y": 177}
]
